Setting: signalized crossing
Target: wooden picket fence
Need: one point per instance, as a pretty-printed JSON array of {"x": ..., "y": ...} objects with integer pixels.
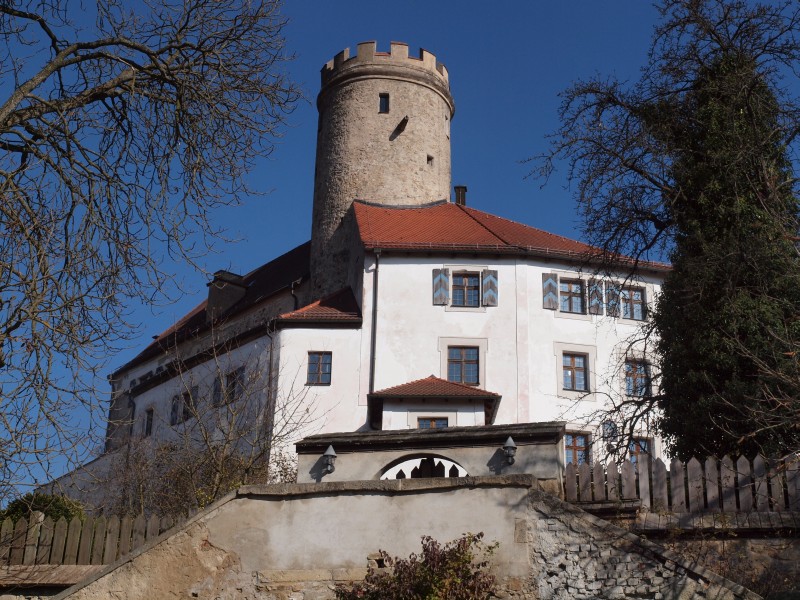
[
  {"x": 93, "y": 541},
  {"x": 714, "y": 485}
]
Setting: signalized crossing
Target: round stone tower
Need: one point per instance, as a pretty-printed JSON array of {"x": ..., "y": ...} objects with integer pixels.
[{"x": 383, "y": 137}]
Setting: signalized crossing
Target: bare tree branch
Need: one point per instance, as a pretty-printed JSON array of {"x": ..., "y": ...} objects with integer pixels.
[{"x": 116, "y": 143}]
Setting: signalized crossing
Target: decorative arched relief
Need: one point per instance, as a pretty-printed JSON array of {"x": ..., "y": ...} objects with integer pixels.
[{"x": 424, "y": 466}]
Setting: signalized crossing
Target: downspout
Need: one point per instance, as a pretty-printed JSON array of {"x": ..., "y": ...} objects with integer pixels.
[
  {"x": 374, "y": 333},
  {"x": 270, "y": 418}
]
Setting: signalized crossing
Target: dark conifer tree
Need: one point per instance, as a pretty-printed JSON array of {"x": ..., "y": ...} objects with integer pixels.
[{"x": 722, "y": 315}]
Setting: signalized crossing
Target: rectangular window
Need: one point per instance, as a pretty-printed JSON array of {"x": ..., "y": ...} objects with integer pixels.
[
  {"x": 383, "y": 103},
  {"x": 631, "y": 300},
  {"x": 187, "y": 406},
  {"x": 462, "y": 364},
  {"x": 576, "y": 448},
  {"x": 466, "y": 289},
  {"x": 431, "y": 422},
  {"x": 319, "y": 368},
  {"x": 637, "y": 378},
  {"x": 574, "y": 372},
  {"x": 183, "y": 407},
  {"x": 571, "y": 295},
  {"x": 234, "y": 385},
  {"x": 148, "y": 422},
  {"x": 638, "y": 449}
]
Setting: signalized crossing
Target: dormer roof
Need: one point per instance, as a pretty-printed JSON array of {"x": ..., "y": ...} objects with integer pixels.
[
  {"x": 338, "y": 308},
  {"x": 434, "y": 387}
]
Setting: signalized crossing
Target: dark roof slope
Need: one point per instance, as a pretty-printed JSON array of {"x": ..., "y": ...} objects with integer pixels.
[{"x": 261, "y": 283}]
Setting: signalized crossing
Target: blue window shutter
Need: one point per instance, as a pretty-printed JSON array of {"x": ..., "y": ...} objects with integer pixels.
[
  {"x": 550, "y": 291},
  {"x": 595, "y": 297},
  {"x": 489, "y": 287},
  {"x": 441, "y": 287}
]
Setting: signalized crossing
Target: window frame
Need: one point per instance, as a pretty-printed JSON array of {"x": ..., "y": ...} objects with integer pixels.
[
  {"x": 571, "y": 295},
  {"x": 643, "y": 446},
  {"x": 384, "y": 103},
  {"x": 634, "y": 381},
  {"x": 463, "y": 363},
  {"x": 586, "y": 449},
  {"x": 433, "y": 420},
  {"x": 184, "y": 406},
  {"x": 574, "y": 369},
  {"x": 187, "y": 407},
  {"x": 483, "y": 350},
  {"x": 149, "y": 417},
  {"x": 559, "y": 350},
  {"x": 319, "y": 374},
  {"x": 466, "y": 289},
  {"x": 233, "y": 387},
  {"x": 626, "y": 301}
]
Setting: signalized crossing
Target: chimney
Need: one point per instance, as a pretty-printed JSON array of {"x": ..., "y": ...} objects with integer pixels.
[
  {"x": 461, "y": 194},
  {"x": 225, "y": 290}
]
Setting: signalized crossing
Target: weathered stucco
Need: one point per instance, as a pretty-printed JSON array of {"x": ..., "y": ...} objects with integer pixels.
[{"x": 297, "y": 541}]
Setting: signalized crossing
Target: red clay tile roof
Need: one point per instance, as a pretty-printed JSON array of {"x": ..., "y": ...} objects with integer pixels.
[
  {"x": 433, "y": 387},
  {"x": 340, "y": 307},
  {"x": 448, "y": 227}
]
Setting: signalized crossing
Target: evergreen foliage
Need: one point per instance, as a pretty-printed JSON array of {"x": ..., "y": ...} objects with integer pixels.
[
  {"x": 734, "y": 285},
  {"x": 448, "y": 572},
  {"x": 54, "y": 507}
]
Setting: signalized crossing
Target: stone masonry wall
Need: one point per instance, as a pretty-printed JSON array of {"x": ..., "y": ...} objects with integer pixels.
[
  {"x": 577, "y": 555},
  {"x": 296, "y": 542}
]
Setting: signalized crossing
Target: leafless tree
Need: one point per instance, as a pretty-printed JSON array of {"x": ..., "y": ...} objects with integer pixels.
[
  {"x": 227, "y": 427},
  {"x": 122, "y": 127}
]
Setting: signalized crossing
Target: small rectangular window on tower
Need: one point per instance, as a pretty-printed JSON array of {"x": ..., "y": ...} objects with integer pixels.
[
  {"x": 430, "y": 160},
  {"x": 383, "y": 104}
]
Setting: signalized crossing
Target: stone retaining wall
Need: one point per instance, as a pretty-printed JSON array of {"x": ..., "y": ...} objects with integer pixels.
[{"x": 296, "y": 542}]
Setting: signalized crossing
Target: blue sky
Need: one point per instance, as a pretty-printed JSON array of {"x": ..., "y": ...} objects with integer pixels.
[{"x": 507, "y": 61}]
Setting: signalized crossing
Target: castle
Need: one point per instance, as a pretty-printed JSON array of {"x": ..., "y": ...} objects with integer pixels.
[{"x": 406, "y": 310}]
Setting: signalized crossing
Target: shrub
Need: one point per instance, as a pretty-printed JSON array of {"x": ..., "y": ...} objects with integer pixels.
[
  {"x": 54, "y": 507},
  {"x": 449, "y": 572}
]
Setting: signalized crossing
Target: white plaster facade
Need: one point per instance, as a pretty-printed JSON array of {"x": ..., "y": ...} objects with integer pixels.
[{"x": 520, "y": 343}]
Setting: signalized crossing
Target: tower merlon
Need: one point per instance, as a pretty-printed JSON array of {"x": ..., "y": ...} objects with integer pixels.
[{"x": 366, "y": 53}]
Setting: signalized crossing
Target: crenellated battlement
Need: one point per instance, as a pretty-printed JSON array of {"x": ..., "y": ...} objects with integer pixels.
[{"x": 367, "y": 54}]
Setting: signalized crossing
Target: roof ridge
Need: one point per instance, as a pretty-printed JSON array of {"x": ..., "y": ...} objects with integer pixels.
[{"x": 466, "y": 212}]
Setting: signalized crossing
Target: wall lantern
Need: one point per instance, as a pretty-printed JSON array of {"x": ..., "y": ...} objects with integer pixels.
[
  {"x": 510, "y": 449},
  {"x": 328, "y": 459}
]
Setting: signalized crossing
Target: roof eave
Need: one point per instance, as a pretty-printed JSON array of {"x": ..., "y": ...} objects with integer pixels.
[{"x": 546, "y": 253}]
